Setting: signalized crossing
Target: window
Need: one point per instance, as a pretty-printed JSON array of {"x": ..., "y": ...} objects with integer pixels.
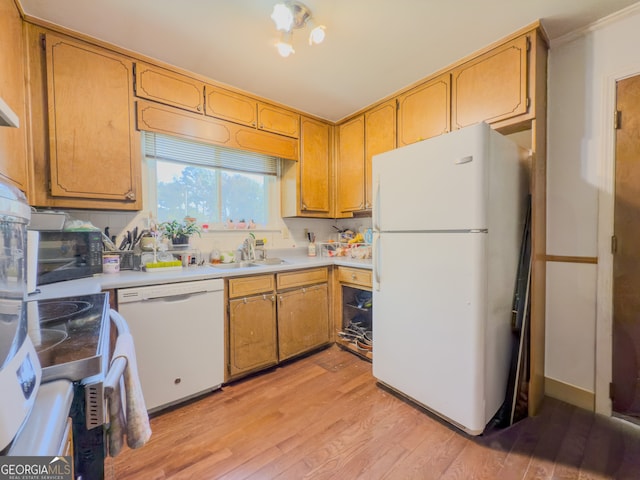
[{"x": 209, "y": 183}]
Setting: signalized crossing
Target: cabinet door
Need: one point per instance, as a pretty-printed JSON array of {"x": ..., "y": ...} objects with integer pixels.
[
  {"x": 379, "y": 137},
  {"x": 154, "y": 117},
  {"x": 491, "y": 87},
  {"x": 252, "y": 334},
  {"x": 303, "y": 320},
  {"x": 350, "y": 174},
  {"x": 13, "y": 141},
  {"x": 231, "y": 106},
  {"x": 315, "y": 167},
  {"x": 278, "y": 120},
  {"x": 170, "y": 88},
  {"x": 94, "y": 150},
  {"x": 424, "y": 111}
]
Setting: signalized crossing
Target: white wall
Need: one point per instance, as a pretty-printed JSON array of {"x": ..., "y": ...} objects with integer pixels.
[{"x": 583, "y": 69}]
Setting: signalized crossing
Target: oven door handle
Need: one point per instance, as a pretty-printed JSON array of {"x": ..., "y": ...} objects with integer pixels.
[{"x": 116, "y": 370}]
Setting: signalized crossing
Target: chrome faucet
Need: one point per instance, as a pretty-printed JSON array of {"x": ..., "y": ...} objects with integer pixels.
[{"x": 248, "y": 248}]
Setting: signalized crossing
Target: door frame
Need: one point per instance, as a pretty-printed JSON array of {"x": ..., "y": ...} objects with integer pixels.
[{"x": 604, "y": 285}]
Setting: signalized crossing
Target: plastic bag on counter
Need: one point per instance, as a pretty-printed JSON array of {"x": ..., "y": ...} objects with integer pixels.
[{"x": 79, "y": 225}]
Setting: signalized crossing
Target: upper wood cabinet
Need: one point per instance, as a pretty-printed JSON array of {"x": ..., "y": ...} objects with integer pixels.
[
  {"x": 154, "y": 117},
  {"x": 315, "y": 166},
  {"x": 231, "y": 106},
  {"x": 171, "y": 88},
  {"x": 94, "y": 149},
  {"x": 237, "y": 108},
  {"x": 425, "y": 111},
  {"x": 306, "y": 186},
  {"x": 493, "y": 86},
  {"x": 278, "y": 120},
  {"x": 379, "y": 137},
  {"x": 13, "y": 141},
  {"x": 350, "y": 167}
]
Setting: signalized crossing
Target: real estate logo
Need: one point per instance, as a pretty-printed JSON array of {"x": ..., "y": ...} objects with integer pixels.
[{"x": 35, "y": 468}]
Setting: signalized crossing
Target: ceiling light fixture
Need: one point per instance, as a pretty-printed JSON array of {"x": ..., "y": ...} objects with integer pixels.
[{"x": 290, "y": 15}]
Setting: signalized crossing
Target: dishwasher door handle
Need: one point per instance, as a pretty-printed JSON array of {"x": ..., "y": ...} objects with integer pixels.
[{"x": 175, "y": 298}]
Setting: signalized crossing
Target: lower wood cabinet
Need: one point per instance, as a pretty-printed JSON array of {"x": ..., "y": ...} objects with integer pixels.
[
  {"x": 252, "y": 333},
  {"x": 262, "y": 331},
  {"x": 303, "y": 320}
]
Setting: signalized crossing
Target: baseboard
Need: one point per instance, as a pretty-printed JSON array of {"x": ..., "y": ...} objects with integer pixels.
[{"x": 570, "y": 394}]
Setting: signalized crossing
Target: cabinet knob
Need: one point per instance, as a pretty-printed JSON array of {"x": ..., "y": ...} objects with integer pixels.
[
  {"x": 304, "y": 206},
  {"x": 199, "y": 108},
  {"x": 353, "y": 276},
  {"x": 253, "y": 124},
  {"x": 262, "y": 125},
  {"x": 130, "y": 195}
]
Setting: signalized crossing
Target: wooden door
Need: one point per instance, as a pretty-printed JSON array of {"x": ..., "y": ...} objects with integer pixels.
[
  {"x": 491, "y": 87},
  {"x": 303, "y": 320},
  {"x": 170, "y": 88},
  {"x": 425, "y": 111},
  {"x": 626, "y": 259},
  {"x": 252, "y": 334},
  {"x": 350, "y": 166},
  {"x": 315, "y": 167},
  {"x": 94, "y": 147},
  {"x": 379, "y": 137}
]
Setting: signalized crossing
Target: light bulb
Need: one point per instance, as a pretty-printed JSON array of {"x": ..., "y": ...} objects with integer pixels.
[
  {"x": 282, "y": 16},
  {"x": 317, "y": 35},
  {"x": 285, "y": 49}
]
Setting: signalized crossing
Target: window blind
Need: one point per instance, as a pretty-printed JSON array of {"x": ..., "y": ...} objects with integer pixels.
[{"x": 167, "y": 147}]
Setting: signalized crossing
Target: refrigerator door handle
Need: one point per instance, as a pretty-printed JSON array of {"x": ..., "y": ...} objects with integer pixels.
[
  {"x": 376, "y": 262},
  {"x": 376, "y": 203}
]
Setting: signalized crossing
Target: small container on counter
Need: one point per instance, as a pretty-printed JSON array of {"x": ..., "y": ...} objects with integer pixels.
[{"x": 110, "y": 263}]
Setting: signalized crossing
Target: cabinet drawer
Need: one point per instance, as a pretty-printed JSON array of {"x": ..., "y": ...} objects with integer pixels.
[
  {"x": 243, "y": 286},
  {"x": 303, "y": 277},
  {"x": 356, "y": 276}
]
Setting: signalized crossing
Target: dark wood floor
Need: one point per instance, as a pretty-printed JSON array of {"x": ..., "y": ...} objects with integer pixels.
[{"x": 324, "y": 417}]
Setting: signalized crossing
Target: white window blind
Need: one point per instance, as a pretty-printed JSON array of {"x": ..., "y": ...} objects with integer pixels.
[{"x": 166, "y": 147}]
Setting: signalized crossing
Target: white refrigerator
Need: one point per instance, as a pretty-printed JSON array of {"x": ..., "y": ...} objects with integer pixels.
[{"x": 447, "y": 219}]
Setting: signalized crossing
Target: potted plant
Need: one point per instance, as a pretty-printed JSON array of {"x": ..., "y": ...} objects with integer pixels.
[{"x": 179, "y": 232}]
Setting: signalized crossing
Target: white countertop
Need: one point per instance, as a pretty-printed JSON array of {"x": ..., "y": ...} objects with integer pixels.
[{"x": 295, "y": 259}]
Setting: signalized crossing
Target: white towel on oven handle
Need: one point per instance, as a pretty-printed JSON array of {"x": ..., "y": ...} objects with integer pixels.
[{"x": 124, "y": 373}]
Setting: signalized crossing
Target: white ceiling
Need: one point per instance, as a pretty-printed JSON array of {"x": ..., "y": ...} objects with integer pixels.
[{"x": 373, "y": 47}]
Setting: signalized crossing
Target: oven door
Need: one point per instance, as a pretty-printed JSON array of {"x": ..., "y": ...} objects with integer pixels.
[{"x": 46, "y": 430}]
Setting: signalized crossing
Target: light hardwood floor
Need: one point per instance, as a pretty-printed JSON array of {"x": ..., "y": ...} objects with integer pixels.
[{"x": 324, "y": 417}]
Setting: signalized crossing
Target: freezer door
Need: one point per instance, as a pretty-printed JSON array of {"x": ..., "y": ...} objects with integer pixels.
[
  {"x": 436, "y": 184},
  {"x": 429, "y": 323}
]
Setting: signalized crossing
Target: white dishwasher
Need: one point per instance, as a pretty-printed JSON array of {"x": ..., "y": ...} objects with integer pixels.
[{"x": 178, "y": 331}]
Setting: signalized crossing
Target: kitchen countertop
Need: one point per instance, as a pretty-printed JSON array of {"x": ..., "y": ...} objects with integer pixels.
[{"x": 295, "y": 260}]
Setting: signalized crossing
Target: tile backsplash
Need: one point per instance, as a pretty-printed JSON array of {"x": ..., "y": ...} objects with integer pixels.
[{"x": 290, "y": 233}]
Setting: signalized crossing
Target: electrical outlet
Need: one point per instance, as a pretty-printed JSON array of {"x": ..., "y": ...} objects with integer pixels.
[{"x": 285, "y": 233}]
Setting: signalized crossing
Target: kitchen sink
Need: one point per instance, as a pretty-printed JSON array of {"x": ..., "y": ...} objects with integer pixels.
[
  {"x": 234, "y": 265},
  {"x": 253, "y": 263},
  {"x": 269, "y": 261}
]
